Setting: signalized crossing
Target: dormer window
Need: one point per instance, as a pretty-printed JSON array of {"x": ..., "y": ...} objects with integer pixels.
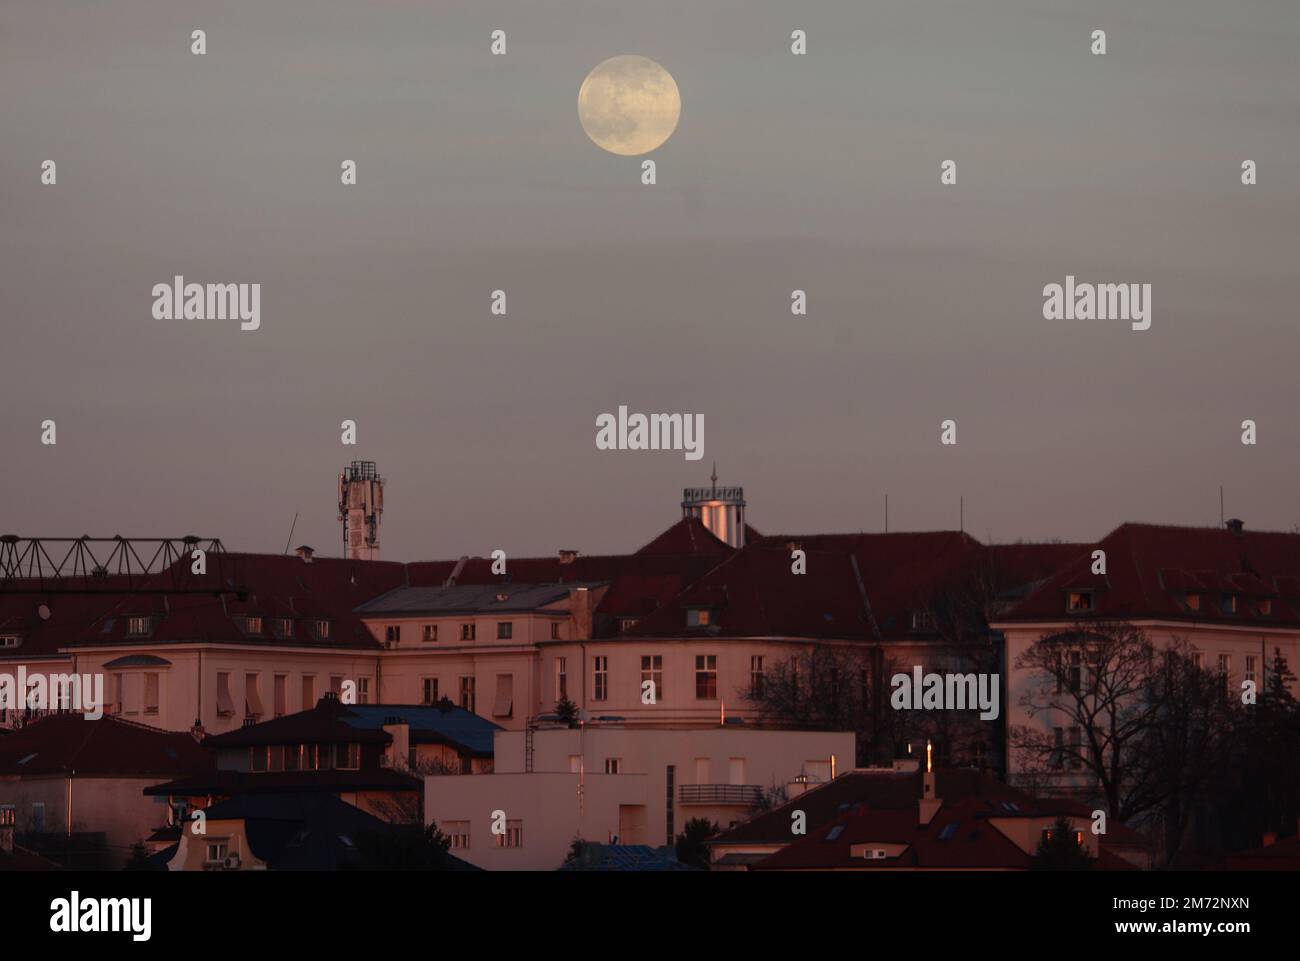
[
  {"x": 1229, "y": 604},
  {"x": 393, "y": 633},
  {"x": 699, "y": 617},
  {"x": 284, "y": 626},
  {"x": 138, "y": 625},
  {"x": 430, "y": 632},
  {"x": 323, "y": 630},
  {"x": 252, "y": 625},
  {"x": 10, "y": 640},
  {"x": 1078, "y": 601},
  {"x": 1265, "y": 607},
  {"x": 1193, "y": 602},
  {"x": 467, "y": 632},
  {"x": 922, "y": 621}
]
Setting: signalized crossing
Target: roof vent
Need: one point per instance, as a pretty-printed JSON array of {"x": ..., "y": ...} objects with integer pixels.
[
  {"x": 568, "y": 557},
  {"x": 1236, "y": 525},
  {"x": 305, "y": 552}
]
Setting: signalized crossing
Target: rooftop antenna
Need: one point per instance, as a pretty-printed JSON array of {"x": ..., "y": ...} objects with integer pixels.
[
  {"x": 886, "y": 513},
  {"x": 291, "y": 527},
  {"x": 1220, "y": 505},
  {"x": 961, "y": 515}
]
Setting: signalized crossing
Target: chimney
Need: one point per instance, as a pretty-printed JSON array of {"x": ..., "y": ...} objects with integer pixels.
[
  {"x": 305, "y": 552},
  {"x": 580, "y": 608},
  {"x": 398, "y": 752},
  {"x": 197, "y": 731},
  {"x": 1270, "y": 838},
  {"x": 930, "y": 803},
  {"x": 1236, "y": 525},
  {"x": 568, "y": 557}
]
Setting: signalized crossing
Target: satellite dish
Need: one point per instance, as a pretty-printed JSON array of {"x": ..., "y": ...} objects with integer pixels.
[{"x": 43, "y": 612}]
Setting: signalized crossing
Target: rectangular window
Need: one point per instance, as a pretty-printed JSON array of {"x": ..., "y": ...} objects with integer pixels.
[
  {"x": 669, "y": 778},
  {"x": 308, "y": 692},
  {"x": 504, "y": 704},
  {"x": 151, "y": 693},
  {"x": 505, "y": 630},
  {"x": 276, "y": 762},
  {"x": 1230, "y": 603},
  {"x": 626, "y": 624},
  {"x": 1252, "y": 663},
  {"x": 1076, "y": 748},
  {"x": 280, "y": 694},
  {"x": 284, "y": 627},
  {"x": 467, "y": 632},
  {"x": 336, "y": 684},
  {"x": 9, "y": 640},
  {"x": 736, "y": 770},
  {"x": 575, "y": 763},
  {"x": 216, "y": 852},
  {"x": 613, "y": 765},
  {"x": 363, "y": 690},
  {"x": 467, "y": 693},
  {"x": 1198, "y": 660},
  {"x": 1078, "y": 601},
  {"x": 393, "y": 633},
  {"x": 599, "y": 678},
  {"x": 292, "y": 757},
  {"x": 701, "y": 770},
  {"x": 225, "y": 703},
  {"x": 1076, "y": 671},
  {"x": 514, "y": 836},
  {"x": 756, "y": 675},
  {"x": 706, "y": 677},
  {"x": 257, "y": 758},
  {"x": 698, "y": 617},
  {"x": 430, "y": 632},
  {"x": 349, "y": 757},
  {"x": 252, "y": 697},
  {"x": 1058, "y": 751},
  {"x": 430, "y": 693},
  {"x": 252, "y": 625},
  {"x": 922, "y": 621},
  {"x": 138, "y": 625},
  {"x": 555, "y": 630},
  {"x": 458, "y": 831},
  {"x": 1225, "y": 667},
  {"x": 38, "y": 816},
  {"x": 561, "y": 678},
  {"x": 1194, "y": 602},
  {"x": 323, "y": 630},
  {"x": 652, "y": 670}
]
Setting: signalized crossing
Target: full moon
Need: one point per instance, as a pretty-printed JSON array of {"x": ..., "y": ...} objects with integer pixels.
[{"x": 629, "y": 105}]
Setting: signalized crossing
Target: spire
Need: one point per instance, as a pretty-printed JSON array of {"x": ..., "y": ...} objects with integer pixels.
[{"x": 714, "y": 477}]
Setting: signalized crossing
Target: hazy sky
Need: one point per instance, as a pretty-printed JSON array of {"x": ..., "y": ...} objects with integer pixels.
[{"x": 818, "y": 172}]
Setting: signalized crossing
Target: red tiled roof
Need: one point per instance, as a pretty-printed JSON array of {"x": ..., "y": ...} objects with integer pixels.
[
  {"x": 1150, "y": 570},
  {"x": 64, "y": 743},
  {"x": 687, "y": 536},
  {"x": 1278, "y": 856},
  {"x": 219, "y": 783}
]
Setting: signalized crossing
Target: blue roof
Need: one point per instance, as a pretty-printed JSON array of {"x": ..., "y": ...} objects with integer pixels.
[
  {"x": 457, "y": 725},
  {"x": 626, "y": 857}
]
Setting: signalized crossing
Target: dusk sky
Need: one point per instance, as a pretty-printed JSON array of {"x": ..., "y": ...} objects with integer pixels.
[{"x": 819, "y": 172}]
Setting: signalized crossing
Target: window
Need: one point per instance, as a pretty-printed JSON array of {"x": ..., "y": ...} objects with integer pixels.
[
  {"x": 323, "y": 630},
  {"x": 284, "y": 627},
  {"x": 504, "y": 704},
  {"x": 505, "y": 630},
  {"x": 575, "y": 763},
  {"x": 430, "y": 692},
  {"x": 555, "y": 630},
  {"x": 276, "y": 757},
  {"x": 626, "y": 624},
  {"x": 138, "y": 625},
  {"x": 1252, "y": 663},
  {"x": 1058, "y": 752},
  {"x": 308, "y": 692},
  {"x": 736, "y": 770},
  {"x": 1229, "y": 604},
  {"x": 9, "y": 640},
  {"x": 1075, "y": 671},
  {"x": 701, "y": 770},
  {"x": 561, "y": 679},
  {"x": 151, "y": 693},
  {"x": 698, "y": 617},
  {"x": 7, "y": 817},
  {"x": 257, "y": 758},
  {"x": 756, "y": 675},
  {"x": 922, "y": 621},
  {"x": 514, "y": 836},
  {"x": 363, "y": 690},
  {"x": 613, "y": 765},
  {"x": 292, "y": 757},
  {"x": 706, "y": 677},
  {"x": 1194, "y": 602},
  {"x": 1265, "y": 607},
  {"x": 393, "y": 633},
  {"x": 652, "y": 670},
  {"x": 458, "y": 831},
  {"x": 467, "y": 632},
  {"x": 1078, "y": 601},
  {"x": 280, "y": 689},
  {"x": 599, "y": 678},
  {"x": 430, "y": 632},
  {"x": 252, "y": 625},
  {"x": 1198, "y": 660},
  {"x": 467, "y": 693},
  {"x": 38, "y": 816},
  {"x": 225, "y": 703},
  {"x": 1076, "y": 748},
  {"x": 349, "y": 757},
  {"x": 1225, "y": 667},
  {"x": 252, "y": 697},
  {"x": 216, "y": 853}
]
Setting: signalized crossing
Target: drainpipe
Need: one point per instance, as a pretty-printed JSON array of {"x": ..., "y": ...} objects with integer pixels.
[{"x": 68, "y": 817}]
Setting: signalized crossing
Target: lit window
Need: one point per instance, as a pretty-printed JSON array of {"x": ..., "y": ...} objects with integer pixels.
[
  {"x": 323, "y": 630},
  {"x": 922, "y": 621},
  {"x": 514, "y": 836},
  {"x": 1194, "y": 602},
  {"x": 1079, "y": 601},
  {"x": 9, "y": 640},
  {"x": 252, "y": 625},
  {"x": 1265, "y": 607},
  {"x": 697, "y": 617},
  {"x": 138, "y": 625}
]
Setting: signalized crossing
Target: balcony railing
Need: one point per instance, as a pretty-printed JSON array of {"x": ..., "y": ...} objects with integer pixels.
[{"x": 746, "y": 794}]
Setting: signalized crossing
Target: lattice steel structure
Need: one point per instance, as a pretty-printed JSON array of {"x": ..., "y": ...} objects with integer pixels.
[{"x": 111, "y": 565}]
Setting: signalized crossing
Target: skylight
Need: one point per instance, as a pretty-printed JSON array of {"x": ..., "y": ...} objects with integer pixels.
[
  {"x": 948, "y": 831},
  {"x": 834, "y": 833}
]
